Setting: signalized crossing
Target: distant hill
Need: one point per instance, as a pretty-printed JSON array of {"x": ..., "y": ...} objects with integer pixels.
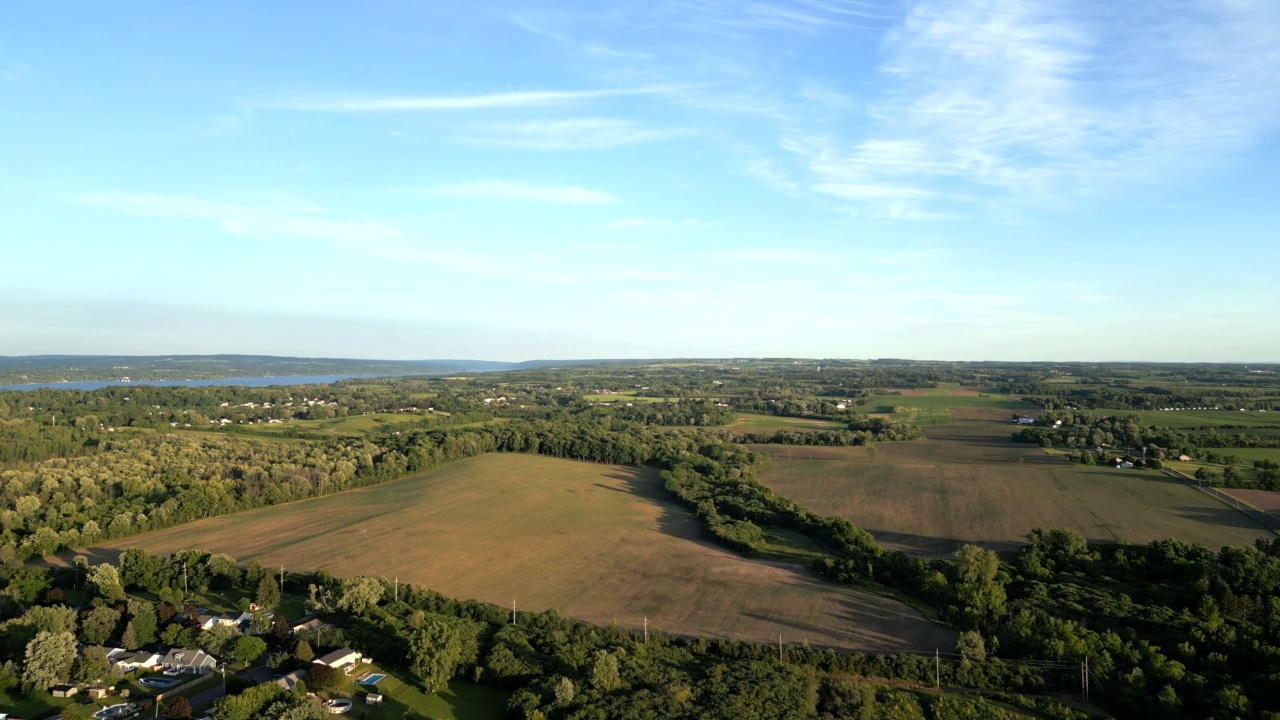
[{"x": 78, "y": 368}]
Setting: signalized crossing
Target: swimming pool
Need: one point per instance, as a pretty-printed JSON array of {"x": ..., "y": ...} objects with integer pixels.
[{"x": 371, "y": 679}]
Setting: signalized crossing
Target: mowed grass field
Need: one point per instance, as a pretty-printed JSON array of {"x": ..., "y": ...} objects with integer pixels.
[
  {"x": 1198, "y": 418},
  {"x": 969, "y": 484},
  {"x": 748, "y": 422},
  {"x": 595, "y": 542},
  {"x": 356, "y": 425},
  {"x": 935, "y": 406},
  {"x": 1251, "y": 454}
]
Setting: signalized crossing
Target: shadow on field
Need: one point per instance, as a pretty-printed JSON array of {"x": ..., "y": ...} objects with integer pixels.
[
  {"x": 96, "y": 556},
  {"x": 1224, "y": 516},
  {"x": 930, "y": 546},
  {"x": 674, "y": 520}
]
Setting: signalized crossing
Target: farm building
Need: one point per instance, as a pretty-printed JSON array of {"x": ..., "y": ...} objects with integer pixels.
[
  {"x": 1184, "y": 458},
  {"x": 1024, "y": 421}
]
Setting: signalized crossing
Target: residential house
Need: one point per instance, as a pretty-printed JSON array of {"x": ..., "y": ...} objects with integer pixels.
[
  {"x": 140, "y": 659},
  {"x": 290, "y": 681},
  {"x": 64, "y": 691},
  {"x": 344, "y": 659},
  {"x": 1184, "y": 458},
  {"x": 311, "y": 625},
  {"x": 183, "y": 660}
]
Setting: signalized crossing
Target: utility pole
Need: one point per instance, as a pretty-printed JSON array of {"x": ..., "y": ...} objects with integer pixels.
[
  {"x": 1086, "y": 678},
  {"x": 513, "y": 612},
  {"x": 397, "y": 588},
  {"x": 937, "y": 669},
  {"x": 184, "y": 577},
  {"x": 779, "y": 647},
  {"x": 646, "y": 629},
  {"x": 1083, "y": 690},
  {"x": 282, "y": 581}
]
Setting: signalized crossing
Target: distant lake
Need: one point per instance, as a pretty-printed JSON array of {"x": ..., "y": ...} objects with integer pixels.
[{"x": 243, "y": 381}]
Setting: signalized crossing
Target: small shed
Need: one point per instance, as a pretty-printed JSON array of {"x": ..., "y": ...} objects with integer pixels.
[
  {"x": 373, "y": 699},
  {"x": 63, "y": 691},
  {"x": 97, "y": 693}
]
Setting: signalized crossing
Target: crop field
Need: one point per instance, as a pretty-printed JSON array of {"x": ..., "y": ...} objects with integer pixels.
[
  {"x": 748, "y": 422},
  {"x": 625, "y": 397},
  {"x": 969, "y": 484},
  {"x": 353, "y": 426},
  {"x": 935, "y": 406},
  {"x": 595, "y": 542},
  {"x": 1197, "y": 418},
  {"x": 1251, "y": 454},
  {"x": 1265, "y": 500}
]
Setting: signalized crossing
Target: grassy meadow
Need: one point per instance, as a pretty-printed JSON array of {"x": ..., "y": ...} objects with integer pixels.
[
  {"x": 1202, "y": 418},
  {"x": 936, "y": 406},
  {"x": 595, "y": 542},
  {"x": 354, "y": 426},
  {"x": 749, "y": 422},
  {"x": 967, "y": 483}
]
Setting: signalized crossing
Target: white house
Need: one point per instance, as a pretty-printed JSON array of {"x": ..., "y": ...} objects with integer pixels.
[
  {"x": 141, "y": 659},
  {"x": 343, "y": 659},
  {"x": 309, "y": 625},
  {"x": 189, "y": 661}
]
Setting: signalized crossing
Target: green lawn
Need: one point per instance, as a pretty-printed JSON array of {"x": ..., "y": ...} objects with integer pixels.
[
  {"x": 460, "y": 701},
  {"x": 39, "y": 705}
]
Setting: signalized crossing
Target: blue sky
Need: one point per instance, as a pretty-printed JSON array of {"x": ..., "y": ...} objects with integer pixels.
[{"x": 980, "y": 179}]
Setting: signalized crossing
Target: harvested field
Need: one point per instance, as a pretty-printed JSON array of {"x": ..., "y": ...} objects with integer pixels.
[
  {"x": 1264, "y": 500},
  {"x": 748, "y": 422},
  {"x": 595, "y": 542},
  {"x": 969, "y": 484}
]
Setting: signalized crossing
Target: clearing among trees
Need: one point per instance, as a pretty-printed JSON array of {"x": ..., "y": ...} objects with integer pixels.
[{"x": 595, "y": 542}]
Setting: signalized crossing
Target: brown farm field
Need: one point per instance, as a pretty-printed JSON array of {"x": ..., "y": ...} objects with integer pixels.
[
  {"x": 1265, "y": 500},
  {"x": 595, "y": 542},
  {"x": 967, "y": 483}
]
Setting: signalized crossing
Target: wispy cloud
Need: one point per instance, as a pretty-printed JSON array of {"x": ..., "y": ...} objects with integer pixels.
[
  {"x": 804, "y": 16},
  {"x": 564, "y": 134},
  {"x": 636, "y": 223},
  {"x": 520, "y": 191},
  {"x": 289, "y": 221},
  {"x": 765, "y": 171},
  {"x": 1041, "y": 99},
  {"x": 16, "y": 72},
  {"x": 768, "y": 255},
  {"x": 439, "y": 103}
]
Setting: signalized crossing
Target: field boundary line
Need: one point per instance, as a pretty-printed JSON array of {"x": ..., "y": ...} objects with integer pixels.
[{"x": 1248, "y": 509}]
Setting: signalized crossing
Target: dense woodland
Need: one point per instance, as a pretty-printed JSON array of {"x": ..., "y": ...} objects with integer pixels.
[{"x": 1170, "y": 630}]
